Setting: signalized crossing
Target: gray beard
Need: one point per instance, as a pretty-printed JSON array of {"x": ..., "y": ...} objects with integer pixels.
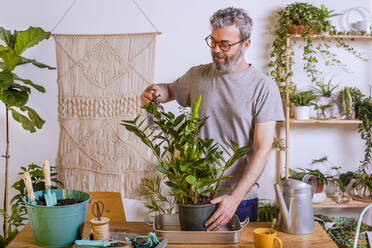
[{"x": 230, "y": 64}]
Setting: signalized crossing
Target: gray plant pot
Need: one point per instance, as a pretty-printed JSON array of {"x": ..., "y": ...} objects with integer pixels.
[{"x": 193, "y": 217}]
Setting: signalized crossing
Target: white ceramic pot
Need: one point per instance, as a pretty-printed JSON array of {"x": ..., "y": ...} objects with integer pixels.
[{"x": 302, "y": 112}]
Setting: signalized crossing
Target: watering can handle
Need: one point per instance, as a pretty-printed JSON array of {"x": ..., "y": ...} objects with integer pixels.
[
  {"x": 362, "y": 11},
  {"x": 313, "y": 180}
]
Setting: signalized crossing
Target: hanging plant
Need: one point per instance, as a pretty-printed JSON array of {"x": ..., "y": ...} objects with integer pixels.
[
  {"x": 365, "y": 130},
  {"x": 305, "y": 20}
]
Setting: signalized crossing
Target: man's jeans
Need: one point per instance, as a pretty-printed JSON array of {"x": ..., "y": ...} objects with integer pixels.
[{"x": 247, "y": 208}]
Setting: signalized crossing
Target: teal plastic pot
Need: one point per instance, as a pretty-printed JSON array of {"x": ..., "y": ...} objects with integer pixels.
[{"x": 57, "y": 226}]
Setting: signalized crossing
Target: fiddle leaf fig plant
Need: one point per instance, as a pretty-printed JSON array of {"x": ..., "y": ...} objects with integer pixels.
[
  {"x": 193, "y": 167},
  {"x": 15, "y": 90}
]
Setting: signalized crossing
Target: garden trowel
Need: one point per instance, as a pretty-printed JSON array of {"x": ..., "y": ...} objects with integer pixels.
[
  {"x": 50, "y": 198},
  {"x": 29, "y": 189}
]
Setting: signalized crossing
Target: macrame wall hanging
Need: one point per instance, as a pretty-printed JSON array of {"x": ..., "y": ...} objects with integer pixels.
[{"x": 100, "y": 79}]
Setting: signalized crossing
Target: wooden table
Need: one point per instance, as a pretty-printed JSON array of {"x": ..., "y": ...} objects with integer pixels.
[{"x": 319, "y": 238}]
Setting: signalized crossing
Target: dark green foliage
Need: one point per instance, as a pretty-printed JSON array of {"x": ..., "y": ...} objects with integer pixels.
[
  {"x": 267, "y": 211},
  {"x": 183, "y": 157}
]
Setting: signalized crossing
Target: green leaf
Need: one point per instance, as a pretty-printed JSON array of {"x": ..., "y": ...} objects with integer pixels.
[
  {"x": 195, "y": 108},
  {"x": 6, "y": 80},
  {"x": 13, "y": 97},
  {"x": 29, "y": 82},
  {"x": 183, "y": 168},
  {"x": 36, "y": 63},
  {"x": 29, "y": 38},
  {"x": 191, "y": 179},
  {"x": 21, "y": 87},
  {"x": 34, "y": 116},
  {"x": 161, "y": 169},
  {"x": 27, "y": 124},
  {"x": 10, "y": 58},
  {"x": 7, "y": 37}
]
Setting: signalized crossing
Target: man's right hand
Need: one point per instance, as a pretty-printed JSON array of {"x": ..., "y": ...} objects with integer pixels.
[{"x": 163, "y": 91}]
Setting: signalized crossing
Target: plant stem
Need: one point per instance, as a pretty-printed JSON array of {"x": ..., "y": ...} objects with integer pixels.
[{"x": 5, "y": 225}]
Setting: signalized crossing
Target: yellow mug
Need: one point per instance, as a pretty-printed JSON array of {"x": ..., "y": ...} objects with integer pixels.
[{"x": 262, "y": 238}]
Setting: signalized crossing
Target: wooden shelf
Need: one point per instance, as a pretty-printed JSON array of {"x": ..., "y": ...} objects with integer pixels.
[
  {"x": 329, "y": 203},
  {"x": 329, "y": 121},
  {"x": 351, "y": 37}
]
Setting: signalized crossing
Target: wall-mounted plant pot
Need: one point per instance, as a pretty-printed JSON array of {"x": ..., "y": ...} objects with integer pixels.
[
  {"x": 302, "y": 112},
  {"x": 193, "y": 217}
]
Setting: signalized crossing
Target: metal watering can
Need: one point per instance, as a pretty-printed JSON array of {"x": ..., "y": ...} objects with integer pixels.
[{"x": 296, "y": 205}]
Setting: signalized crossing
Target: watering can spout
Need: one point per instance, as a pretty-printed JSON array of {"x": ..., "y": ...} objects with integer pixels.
[{"x": 283, "y": 207}]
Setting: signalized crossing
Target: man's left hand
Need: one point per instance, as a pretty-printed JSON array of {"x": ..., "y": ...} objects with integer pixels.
[{"x": 227, "y": 207}]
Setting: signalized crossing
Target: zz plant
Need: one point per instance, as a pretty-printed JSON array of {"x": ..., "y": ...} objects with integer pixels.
[
  {"x": 193, "y": 166},
  {"x": 15, "y": 90}
]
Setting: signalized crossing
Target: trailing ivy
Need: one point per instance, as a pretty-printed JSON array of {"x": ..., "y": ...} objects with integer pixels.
[
  {"x": 365, "y": 130},
  {"x": 311, "y": 20}
]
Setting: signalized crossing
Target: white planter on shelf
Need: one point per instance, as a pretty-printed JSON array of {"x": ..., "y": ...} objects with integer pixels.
[{"x": 302, "y": 112}]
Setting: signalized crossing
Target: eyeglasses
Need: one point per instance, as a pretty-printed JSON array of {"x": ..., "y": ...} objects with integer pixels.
[{"x": 223, "y": 44}]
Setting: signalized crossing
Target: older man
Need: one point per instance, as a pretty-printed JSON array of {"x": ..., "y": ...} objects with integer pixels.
[{"x": 242, "y": 104}]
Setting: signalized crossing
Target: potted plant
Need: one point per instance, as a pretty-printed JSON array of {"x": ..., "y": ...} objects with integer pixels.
[
  {"x": 361, "y": 188},
  {"x": 15, "y": 91},
  {"x": 342, "y": 181},
  {"x": 267, "y": 210},
  {"x": 344, "y": 95},
  {"x": 302, "y": 101},
  {"x": 192, "y": 166},
  {"x": 278, "y": 144},
  {"x": 303, "y": 19},
  {"x": 321, "y": 179},
  {"x": 325, "y": 101},
  {"x": 159, "y": 201}
]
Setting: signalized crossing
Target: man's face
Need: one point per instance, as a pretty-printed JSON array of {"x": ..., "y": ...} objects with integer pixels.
[{"x": 227, "y": 61}]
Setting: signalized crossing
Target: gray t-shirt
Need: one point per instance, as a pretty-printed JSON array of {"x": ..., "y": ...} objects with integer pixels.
[{"x": 234, "y": 102}]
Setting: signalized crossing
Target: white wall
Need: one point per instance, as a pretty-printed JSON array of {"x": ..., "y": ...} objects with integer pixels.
[{"x": 184, "y": 25}]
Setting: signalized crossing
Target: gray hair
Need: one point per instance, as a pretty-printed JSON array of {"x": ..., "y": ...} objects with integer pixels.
[{"x": 233, "y": 16}]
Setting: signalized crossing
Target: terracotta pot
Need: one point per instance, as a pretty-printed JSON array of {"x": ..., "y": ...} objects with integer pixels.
[
  {"x": 319, "y": 186},
  {"x": 300, "y": 29}
]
